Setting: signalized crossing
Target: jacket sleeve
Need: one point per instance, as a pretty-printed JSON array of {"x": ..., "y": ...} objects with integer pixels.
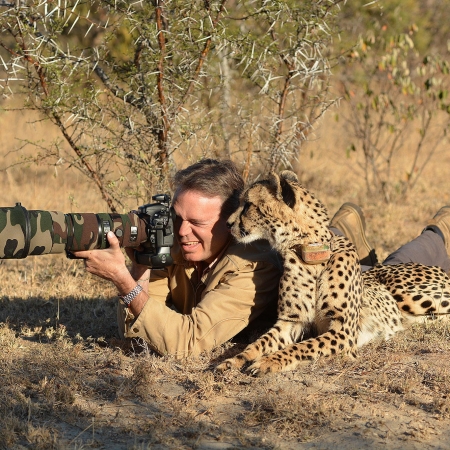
[{"x": 227, "y": 308}]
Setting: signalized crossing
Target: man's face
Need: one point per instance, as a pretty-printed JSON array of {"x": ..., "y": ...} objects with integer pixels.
[{"x": 200, "y": 230}]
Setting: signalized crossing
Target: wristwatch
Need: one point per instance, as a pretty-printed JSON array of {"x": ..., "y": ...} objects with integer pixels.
[{"x": 127, "y": 299}]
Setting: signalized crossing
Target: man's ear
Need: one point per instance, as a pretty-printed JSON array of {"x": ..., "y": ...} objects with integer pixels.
[{"x": 287, "y": 180}]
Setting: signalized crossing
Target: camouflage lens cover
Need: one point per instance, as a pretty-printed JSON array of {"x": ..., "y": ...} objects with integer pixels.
[
  {"x": 24, "y": 232},
  {"x": 12, "y": 232},
  {"x": 88, "y": 231}
]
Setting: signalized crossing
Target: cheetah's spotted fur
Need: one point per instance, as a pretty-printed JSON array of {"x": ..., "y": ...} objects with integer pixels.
[{"x": 333, "y": 302}]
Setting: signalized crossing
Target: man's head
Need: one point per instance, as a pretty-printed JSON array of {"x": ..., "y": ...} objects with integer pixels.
[{"x": 206, "y": 193}]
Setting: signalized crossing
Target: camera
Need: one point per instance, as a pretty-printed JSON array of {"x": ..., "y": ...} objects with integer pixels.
[
  {"x": 160, "y": 233},
  {"x": 24, "y": 233}
]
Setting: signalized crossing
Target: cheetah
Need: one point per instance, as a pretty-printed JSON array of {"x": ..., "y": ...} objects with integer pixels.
[{"x": 326, "y": 306}]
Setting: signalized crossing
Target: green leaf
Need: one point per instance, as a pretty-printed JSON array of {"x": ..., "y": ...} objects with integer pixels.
[{"x": 350, "y": 148}]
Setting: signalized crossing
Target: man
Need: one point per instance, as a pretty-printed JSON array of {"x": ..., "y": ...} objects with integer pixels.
[{"x": 215, "y": 287}]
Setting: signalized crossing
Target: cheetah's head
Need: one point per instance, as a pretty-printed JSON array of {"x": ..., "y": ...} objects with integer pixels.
[{"x": 280, "y": 210}]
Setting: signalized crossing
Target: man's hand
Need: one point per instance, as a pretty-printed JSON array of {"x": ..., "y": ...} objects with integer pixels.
[
  {"x": 138, "y": 271},
  {"x": 109, "y": 264}
]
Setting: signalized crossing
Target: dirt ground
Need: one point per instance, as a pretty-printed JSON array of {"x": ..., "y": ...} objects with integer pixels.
[
  {"x": 394, "y": 396},
  {"x": 68, "y": 383}
]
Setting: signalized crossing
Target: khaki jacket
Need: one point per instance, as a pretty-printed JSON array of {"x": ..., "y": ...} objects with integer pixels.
[{"x": 188, "y": 313}]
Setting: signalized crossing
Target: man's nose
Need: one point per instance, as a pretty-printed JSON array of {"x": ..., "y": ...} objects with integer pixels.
[{"x": 185, "y": 228}]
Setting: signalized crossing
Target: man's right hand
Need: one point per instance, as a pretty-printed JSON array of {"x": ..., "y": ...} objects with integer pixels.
[
  {"x": 109, "y": 264},
  {"x": 138, "y": 271}
]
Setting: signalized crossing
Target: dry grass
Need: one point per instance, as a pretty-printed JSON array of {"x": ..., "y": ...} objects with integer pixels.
[{"x": 68, "y": 383}]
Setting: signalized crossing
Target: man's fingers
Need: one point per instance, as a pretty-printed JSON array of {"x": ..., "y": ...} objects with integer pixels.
[
  {"x": 86, "y": 254},
  {"x": 81, "y": 254},
  {"x": 112, "y": 239}
]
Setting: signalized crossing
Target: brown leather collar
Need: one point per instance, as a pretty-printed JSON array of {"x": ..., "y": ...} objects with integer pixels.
[{"x": 315, "y": 253}]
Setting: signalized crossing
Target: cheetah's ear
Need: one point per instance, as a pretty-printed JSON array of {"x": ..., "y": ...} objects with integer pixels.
[
  {"x": 273, "y": 183},
  {"x": 287, "y": 179},
  {"x": 288, "y": 175}
]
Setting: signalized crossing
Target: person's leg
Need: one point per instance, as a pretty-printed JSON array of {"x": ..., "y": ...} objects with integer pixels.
[
  {"x": 431, "y": 248},
  {"x": 428, "y": 248}
]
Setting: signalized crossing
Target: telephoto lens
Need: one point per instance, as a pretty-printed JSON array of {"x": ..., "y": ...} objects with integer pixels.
[{"x": 24, "y": 233}]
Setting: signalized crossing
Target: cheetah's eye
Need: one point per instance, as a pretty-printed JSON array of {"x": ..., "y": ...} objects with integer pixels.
[{"x": 245, "y": 207}]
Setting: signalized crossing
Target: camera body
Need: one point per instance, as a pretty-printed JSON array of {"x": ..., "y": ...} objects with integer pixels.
[{"x": 160, "y": 233}]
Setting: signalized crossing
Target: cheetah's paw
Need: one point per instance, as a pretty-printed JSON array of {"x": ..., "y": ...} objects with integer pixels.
[
  {"x": 264, "y": 366},
  {"x": 231, "y": 363}
]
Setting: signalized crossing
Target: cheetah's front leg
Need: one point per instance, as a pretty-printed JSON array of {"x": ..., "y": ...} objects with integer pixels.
[
  {"x": 337, "y": 317},
  {"x": 281, "y": 334},
  {"x": 297, "y": 354}
]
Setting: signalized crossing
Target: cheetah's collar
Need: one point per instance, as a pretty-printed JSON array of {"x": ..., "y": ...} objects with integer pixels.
[{"x": 315, "y": 253}]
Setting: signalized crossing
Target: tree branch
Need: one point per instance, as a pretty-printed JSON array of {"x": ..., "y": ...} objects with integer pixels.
[
  {"x": 201, "y": 59},
  {"x": 43, "y": 83}
]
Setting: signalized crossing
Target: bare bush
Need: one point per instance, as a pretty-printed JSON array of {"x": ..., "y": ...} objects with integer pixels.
[
  {"x": 398, "y": 104},
  {"x": 138, "y": 88}
]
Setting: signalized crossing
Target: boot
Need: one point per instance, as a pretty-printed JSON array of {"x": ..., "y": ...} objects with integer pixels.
[
  {"x": 350, "y": 220},
  {"x": 440, "y": 224}
]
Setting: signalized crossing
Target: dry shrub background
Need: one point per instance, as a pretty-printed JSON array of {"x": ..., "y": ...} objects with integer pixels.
[{"x": 67, "y": 382}]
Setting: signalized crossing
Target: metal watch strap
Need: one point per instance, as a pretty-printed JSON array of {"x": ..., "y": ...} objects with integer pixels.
[{"x": 127, "y": 299}]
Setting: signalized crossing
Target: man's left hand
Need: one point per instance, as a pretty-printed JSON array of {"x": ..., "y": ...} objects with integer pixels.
[{"x": 108, "y": 263}]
